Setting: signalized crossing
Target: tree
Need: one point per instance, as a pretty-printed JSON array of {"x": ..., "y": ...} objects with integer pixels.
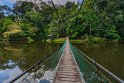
[
  {"x": 4, "y": 9},
  {"x": 13, "y": 32}
]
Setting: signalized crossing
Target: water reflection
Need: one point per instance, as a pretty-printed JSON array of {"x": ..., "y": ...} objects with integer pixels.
[
  {"x": 109, "y": 55},
  {"x": 42, "y": 72},
  {"x": 16, "y": 57},
  {"x": 8, "y": 74}
]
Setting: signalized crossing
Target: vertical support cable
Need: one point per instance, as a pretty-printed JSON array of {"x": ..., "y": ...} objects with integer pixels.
[
  {"x": 81, "y": 5},
  {"x": 57, "y": 14},
  {"x": 55, "y": 9}
]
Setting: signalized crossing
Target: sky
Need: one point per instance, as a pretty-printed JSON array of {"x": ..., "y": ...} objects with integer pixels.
[
  {"x": 7, "y": 2},
  {"x": 10, "y": 2}
]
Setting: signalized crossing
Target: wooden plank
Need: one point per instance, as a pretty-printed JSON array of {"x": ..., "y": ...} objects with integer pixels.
[{"x": 67, "y": 71}]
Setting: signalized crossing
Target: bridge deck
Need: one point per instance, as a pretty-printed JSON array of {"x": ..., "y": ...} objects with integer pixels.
[{"x": 67, "y": 71}]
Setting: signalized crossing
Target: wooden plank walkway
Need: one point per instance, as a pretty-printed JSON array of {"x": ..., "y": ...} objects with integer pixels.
[{"x": 67, "y": 71}]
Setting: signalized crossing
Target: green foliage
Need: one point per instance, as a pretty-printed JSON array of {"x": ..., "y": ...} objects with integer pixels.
[
  {"x": 21, "y": 7},
  {"x": 4, "y": 23},
  {"x": 34, "y": 17},
  {"x": 97, "y": 19},
  {"x": 28, "y": 30},
  {"x": 1, "y": 15},
  {"x": 112, "y": 34},
  {"x": 13, "y": 31},
  {"x": 96, "y": 39}
]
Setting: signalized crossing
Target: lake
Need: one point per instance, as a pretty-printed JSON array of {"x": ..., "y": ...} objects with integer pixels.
[
  {"x": 109, "y": 55},
  {"x": 16, "y": 57}
]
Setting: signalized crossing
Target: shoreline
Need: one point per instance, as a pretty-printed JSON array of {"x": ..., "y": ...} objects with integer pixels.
[{"x": 62, "y": 40}]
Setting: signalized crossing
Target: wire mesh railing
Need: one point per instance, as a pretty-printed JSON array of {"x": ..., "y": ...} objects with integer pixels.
[
  {"x": 42, "y": 72},
  {"x": 89, "y": 72},
  {"x": 93, "y": 72},
  {"x": 45, "y": 71}
]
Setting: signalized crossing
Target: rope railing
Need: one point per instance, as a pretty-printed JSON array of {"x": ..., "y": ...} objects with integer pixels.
[
  {"x": 91, "y": 70},
  {"x": 43, "y": 71}
]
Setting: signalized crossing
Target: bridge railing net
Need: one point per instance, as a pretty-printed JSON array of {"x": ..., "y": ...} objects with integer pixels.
[
  {"x": 43, "y": 72},
  {"x": 88, "y": 71}
]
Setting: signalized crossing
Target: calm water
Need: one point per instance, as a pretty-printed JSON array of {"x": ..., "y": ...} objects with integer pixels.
[
  {"x": 16, "y": 57},
  {"x": 109, "y": 55}
]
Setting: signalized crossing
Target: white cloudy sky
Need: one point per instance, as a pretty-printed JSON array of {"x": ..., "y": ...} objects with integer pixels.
[
  {"x": 10, "y": 2},
  {"x": 61, "y": 1}
]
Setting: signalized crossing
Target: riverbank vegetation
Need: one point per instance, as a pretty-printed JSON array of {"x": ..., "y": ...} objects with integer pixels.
[{"x": 95, "y": 21}]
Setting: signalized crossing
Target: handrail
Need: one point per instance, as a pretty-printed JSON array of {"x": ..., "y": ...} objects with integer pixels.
[
  {"x": 81, "y": 76},
  {"x": 98, "y": 65},
  {"x": 30, "y": 68},
  {"x": 35, "y": 65}
]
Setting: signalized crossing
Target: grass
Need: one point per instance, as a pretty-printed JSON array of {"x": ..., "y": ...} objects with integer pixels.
[{"x": 61, "y": 40}]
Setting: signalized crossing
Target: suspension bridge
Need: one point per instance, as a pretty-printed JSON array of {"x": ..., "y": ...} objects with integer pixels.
[
  {"x": 67, "y": 71},
  {"x": 67, "y": 65}
]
